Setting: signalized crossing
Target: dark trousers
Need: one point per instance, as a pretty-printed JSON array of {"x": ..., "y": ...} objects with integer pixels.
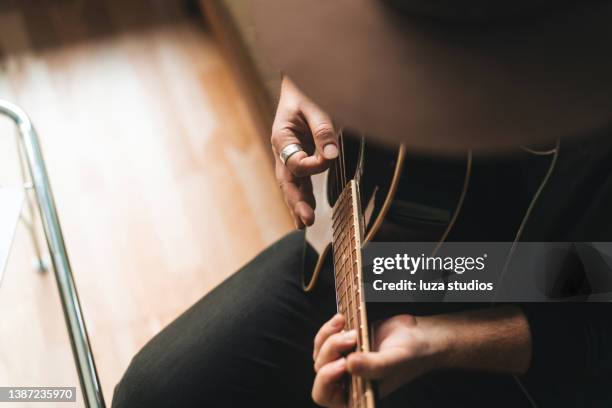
[{"x": 249, "y": 343}]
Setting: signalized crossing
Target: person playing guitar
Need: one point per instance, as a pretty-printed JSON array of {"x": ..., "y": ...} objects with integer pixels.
[{"x": 259, "y": 339}]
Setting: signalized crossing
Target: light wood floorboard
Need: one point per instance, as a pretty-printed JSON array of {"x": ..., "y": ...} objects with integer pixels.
[{"x": 163, "y": 186}]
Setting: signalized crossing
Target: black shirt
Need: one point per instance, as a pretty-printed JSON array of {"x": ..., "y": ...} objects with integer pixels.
[{"x": 572, "y": 342}]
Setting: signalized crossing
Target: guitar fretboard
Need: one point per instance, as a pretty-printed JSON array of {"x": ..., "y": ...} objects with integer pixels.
[{"x": 346, "y": 240}]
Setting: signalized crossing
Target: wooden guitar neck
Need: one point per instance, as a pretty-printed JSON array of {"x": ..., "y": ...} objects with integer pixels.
[{"x": 347, "y": 236}]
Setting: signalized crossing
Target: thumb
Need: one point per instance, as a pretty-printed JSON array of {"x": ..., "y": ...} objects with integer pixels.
[
  {"x": 370, "y": 365},
  {"x": 322, "y": 129}
]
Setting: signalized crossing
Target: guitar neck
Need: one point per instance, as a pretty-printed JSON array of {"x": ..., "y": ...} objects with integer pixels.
[{"x": 347, "y": 235}]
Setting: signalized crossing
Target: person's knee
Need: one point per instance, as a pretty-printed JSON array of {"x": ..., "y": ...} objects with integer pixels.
[
  {"x": 192, "y": 357},
  {"x": 128, "y": 392},
  {"x": 139, "y": 385},
  {"x": 211, "y": 345}
]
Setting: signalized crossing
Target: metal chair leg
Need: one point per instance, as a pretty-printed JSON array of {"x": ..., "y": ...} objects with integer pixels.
[
  {"x": 73, "y": 315},
  {"x": 30, "y": 223}
]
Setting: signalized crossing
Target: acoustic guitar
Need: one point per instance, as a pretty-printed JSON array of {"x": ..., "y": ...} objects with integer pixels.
[{"x": 353, "y": 198}]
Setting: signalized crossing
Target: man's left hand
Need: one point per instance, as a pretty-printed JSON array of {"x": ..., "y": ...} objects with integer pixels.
[
  {"x": 403, "y": 352},
  {"x": 496, "y": 339}
]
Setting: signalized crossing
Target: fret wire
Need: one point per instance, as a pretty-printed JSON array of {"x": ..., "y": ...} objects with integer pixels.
[
  {"x": 339, "y": 232},
  {"x": 342, "y": 278},
  {"x": 341, "y": 248},
  {"x": 338, "y": 208},
  {"x": 341, "y": 210},
  {"x": 340, "y": 200},
  {"x": 341, "y": 220}
]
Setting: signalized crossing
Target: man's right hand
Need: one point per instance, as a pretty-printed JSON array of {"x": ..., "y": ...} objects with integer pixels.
[{"x": 299, "y": 120}]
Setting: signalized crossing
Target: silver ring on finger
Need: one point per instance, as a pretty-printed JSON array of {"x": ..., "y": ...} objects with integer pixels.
[{"x": 289, "y": 151}]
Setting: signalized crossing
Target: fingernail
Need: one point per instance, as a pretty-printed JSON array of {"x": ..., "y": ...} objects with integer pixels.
[
  {"x": 350, "y": 335},
  {"x": 330, "y": 151},
  {"x": 337, "y": 321}
]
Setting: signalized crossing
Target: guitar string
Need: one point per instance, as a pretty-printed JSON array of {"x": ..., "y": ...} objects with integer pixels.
[
  {"x": 336, "y": 175},
  {"x": 338, "y": 163},
  {"x": 339, "y": 168}
]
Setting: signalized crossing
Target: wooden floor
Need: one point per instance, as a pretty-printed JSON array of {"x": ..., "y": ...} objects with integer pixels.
[{"x": 163, "y": 187}]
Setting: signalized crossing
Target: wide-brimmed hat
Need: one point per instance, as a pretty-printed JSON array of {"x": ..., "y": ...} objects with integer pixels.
[{"x": 445, "y": 74}]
